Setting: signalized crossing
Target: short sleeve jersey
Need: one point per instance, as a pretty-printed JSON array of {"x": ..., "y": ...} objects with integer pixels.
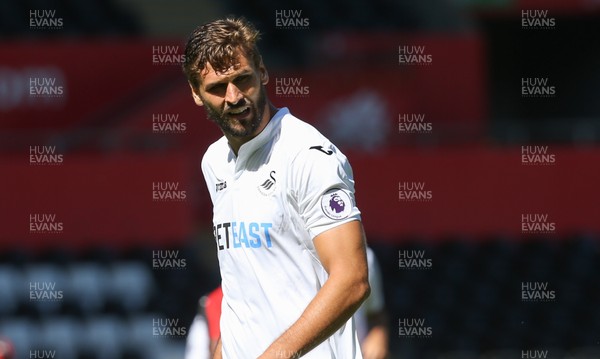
[{"x": 285, "y": 187}]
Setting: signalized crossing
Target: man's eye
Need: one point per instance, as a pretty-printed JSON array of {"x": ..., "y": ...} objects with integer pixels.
[
  {"x": 217, "y": 88},
  {"x": 242, "y": 79}
]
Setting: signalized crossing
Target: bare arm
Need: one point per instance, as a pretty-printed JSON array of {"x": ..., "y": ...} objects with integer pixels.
[
  {"x": 375, "y": 345},
  {"x": 217, "y": 353},
  {"x": 342, "y": 253}
]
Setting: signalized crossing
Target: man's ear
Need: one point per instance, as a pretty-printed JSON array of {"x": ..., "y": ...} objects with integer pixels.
[
  {"x": 196, "y": 97},
  {"x": 264, "y": 74}
]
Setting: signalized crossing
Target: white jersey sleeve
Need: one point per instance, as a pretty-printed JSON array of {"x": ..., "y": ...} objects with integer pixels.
[{"x": 323, "y": 186}]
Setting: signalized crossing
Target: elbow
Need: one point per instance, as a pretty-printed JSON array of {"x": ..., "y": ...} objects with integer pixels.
[{"x": 362, "y": 290}]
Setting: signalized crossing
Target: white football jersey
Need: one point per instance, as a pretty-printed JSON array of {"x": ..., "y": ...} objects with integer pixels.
[{"x": 286, "y": 186}]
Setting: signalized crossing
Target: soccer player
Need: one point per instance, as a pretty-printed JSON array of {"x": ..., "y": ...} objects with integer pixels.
[
  {"x": 197, "y": 344},
  {"x": 204, "y": 332},
  {"x": 291, "y": 246}
]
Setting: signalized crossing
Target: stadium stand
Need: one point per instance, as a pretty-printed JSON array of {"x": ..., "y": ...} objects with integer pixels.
[{"x": 468, "y": 293}]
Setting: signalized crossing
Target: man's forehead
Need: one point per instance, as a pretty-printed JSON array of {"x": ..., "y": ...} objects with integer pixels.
[{"x": 241, "y": 64}]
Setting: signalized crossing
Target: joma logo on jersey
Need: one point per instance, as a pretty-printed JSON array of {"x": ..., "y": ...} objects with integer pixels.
[
  {"x": 243, "y": 235},
  {"x": 221, "y": 186},
  {"x": 320, "y": 148}
]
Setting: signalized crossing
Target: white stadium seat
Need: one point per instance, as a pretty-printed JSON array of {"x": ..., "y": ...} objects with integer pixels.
[
  {"x": 132, "y": 285},
  {"x": 10, "y": 292},
  {"x": 89, "y": 284}
]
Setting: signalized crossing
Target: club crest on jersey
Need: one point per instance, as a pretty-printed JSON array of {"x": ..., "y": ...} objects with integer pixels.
[
  {"x": 267, "y": 187},
  {"x": 336, "y": 204}
]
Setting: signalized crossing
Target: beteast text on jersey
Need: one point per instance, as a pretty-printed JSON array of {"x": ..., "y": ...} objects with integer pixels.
[{"x": 247, "y": 235}]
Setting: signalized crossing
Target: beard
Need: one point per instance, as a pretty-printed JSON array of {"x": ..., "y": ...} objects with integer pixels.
[{"x": 239, "y": 128}]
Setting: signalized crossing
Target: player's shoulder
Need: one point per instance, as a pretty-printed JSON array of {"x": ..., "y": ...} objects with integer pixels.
[
  {"x": 303, "y": 139},
  {"x": 215, "y": 152},
  {"x": 297, "y": 131}
]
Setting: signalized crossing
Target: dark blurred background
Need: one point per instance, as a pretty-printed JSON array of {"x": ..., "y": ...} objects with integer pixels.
[{"x": 472, "y": 127}]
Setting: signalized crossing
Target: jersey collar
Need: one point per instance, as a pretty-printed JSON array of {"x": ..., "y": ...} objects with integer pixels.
[{"x": 248, "y": 148}]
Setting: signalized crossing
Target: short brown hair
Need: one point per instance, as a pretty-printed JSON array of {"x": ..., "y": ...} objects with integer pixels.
[{"x": 217, "y": 43}]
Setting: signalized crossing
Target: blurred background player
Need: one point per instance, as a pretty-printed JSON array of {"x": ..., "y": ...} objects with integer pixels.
[
  {"x": 197, "y": 344},
  {"x": 371, "y": 318},
  {"x": 204, "y": 331},
  {"x": 7, "y": 351}
]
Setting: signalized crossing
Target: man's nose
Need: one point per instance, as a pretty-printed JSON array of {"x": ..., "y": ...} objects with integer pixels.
[{"x": 233, "y": 95}]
